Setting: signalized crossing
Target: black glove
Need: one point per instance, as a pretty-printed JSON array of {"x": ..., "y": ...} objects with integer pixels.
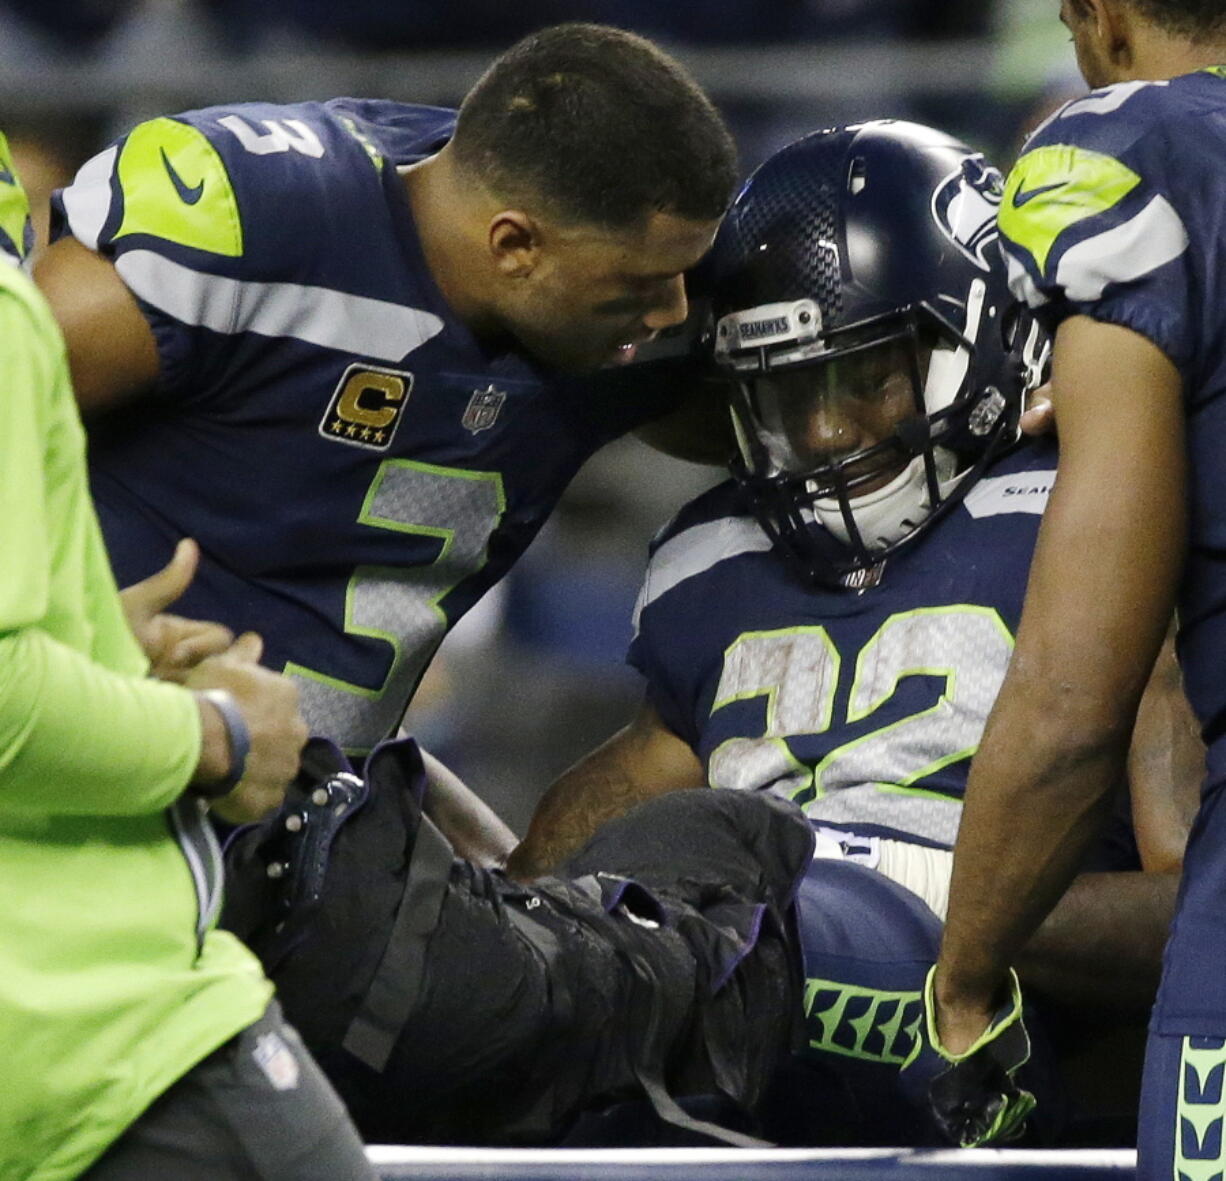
[{"x": 972, "y": 1096}]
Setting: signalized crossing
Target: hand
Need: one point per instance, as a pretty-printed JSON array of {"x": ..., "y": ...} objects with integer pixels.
[
  {"x": 972, "y": 1095},
  {"x": 1038, "y": 418},
  {"x": 522, "y": 866},
  {"x": 173, "y": 645},
  {"x": 269, "y": 704}
]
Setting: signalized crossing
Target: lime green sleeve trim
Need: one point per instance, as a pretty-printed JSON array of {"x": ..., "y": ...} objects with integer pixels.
[
  {"x": 79, "y": 739},
  {"x": 14, "y": 207},
  {"x": 176, "y": 187},
  {"x": 1055, "y": 187}
]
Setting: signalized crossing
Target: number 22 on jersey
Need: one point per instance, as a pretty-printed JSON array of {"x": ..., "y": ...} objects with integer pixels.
[{"x": 798, "y": 671}]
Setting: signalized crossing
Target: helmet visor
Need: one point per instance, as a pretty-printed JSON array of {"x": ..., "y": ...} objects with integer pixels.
[{"x": 850, "y": 419}]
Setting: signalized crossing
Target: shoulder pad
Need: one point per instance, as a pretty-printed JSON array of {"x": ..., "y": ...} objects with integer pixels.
[
  {"x": 16, "y": 231},
  {"x": 176, "y": 187}
]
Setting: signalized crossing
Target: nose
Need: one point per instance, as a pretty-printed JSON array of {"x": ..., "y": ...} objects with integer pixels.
[
  {"x": 833, "y": 428},
  {"x": 670, "y": 309}
]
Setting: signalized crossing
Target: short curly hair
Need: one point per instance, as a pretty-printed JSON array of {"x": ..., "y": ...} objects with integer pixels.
[
  {"x": 1202, "y": 20},
  {"x": 600, "y": 126}
]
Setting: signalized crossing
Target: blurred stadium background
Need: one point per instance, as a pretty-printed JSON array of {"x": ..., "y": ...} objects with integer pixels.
[{"x": 535, "y": 677}]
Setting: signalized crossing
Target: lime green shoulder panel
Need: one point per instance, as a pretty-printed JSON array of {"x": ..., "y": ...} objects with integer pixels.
[
  {"x": 1055, "y": 187},
  {"x": 176, "y": 187},
  {"x": 14, "y": 208}
]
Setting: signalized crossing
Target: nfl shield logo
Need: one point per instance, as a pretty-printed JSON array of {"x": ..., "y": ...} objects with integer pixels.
[
  {"x": 483, "y": 408},
  {"x": 276, "y": 1060}
]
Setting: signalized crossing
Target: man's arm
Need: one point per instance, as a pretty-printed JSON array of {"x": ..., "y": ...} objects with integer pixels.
[
  {"x": 111, "y": 349},
  {"x": 1100, "y": 596},
  {"x": 1166, "y": 767},
  {"x": 642, "y": 760},
  {"x": 1100, "y": 949},
  {"x": 81, "y": 735}
]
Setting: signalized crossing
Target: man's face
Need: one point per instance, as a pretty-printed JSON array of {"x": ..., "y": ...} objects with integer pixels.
[
  {"x": 1092, "y": 59},
  {"x": 824, "y": 413},
  {"x": 594, "y": 294}
]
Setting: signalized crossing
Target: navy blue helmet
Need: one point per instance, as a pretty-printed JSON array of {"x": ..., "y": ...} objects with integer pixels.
[{"x": 879, "y": 363}]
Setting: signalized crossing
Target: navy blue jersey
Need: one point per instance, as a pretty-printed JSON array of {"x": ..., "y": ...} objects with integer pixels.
[
  {"x": 864, "y": 707},
  {"x": 1117, "y": 211},
  {"x": 357, "y": 467}
]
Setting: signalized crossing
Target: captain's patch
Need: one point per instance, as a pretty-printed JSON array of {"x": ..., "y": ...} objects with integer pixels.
[{"x": 366, "y": 406}]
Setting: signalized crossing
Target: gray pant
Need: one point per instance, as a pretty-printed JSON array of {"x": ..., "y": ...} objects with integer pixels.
[{"x": 257, "y": 1109}]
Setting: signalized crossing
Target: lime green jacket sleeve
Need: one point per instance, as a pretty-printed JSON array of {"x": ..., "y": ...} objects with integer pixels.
[{"x": 82, "y": 729}]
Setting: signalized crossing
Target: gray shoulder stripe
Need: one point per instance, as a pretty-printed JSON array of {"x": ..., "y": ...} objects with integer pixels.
[
  {"x": 1021, "y": 492},
  {"x": 87, "y": 201},
  {"x": 1151, "y": 239},
  {"x": 356, "y": 324},
  {"x": 1023, "y": 287},
  {"x": 698, "y": 549},
  {"x": 1106, "y": 100}
]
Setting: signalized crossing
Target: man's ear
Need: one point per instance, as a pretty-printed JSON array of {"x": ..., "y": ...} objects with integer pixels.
[
  {"x": 514, "y": 243},
  {"x": 1114, "y": 27}
]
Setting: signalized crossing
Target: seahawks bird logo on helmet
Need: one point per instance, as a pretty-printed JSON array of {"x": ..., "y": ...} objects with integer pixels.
[
  {"x": 877, "y": 361},
  {"x": 965, "y": 206}
]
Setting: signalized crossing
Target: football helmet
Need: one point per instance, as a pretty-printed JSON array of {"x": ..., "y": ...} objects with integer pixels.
[{"x": 878, "y": 362}]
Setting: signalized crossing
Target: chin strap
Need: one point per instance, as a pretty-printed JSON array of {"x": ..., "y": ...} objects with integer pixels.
[{"x": 890, "y": 513}]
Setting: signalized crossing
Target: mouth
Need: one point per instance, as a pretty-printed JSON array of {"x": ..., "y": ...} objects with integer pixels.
[
  {"x": 860, "y": 478},
  {"x": 625, "y": 351}
]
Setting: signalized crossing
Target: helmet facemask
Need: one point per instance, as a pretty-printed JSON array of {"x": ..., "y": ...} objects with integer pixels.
[{"x": 854, "y": 449}]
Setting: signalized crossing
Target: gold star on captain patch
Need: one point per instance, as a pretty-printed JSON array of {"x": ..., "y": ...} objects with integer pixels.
[
  {"x": 337, "y": 426},
  {"x": 379, "y": 436},
  {"x": 366, "y": 432},
  {"x": 351, "y": 430}
]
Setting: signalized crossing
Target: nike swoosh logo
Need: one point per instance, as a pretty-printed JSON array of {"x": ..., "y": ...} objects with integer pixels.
[
  {"x": 188, "y": 194},
  {"x": 1023, "y": 197}
]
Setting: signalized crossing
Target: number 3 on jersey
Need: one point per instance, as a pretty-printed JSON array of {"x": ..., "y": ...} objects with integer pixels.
[
  {"x": 798, "y": 671},
  {"x": 401, "y": 604}
]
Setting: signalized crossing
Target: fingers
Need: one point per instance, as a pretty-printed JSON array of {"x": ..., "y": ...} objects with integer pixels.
[
  {"x": 247, "y": 649},
  {"x": 1038, "y": 418},
  {"x": 250, "y": 801},
  {"x": 155, "y": 593},
  {"x": 191, "y": 641}
]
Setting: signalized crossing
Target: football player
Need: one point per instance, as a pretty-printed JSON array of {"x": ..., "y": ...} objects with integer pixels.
[
  {"x": 834, "y": 624},
  {"x": 350, "y": 346},
  {"x": 1112, "y": 223}
]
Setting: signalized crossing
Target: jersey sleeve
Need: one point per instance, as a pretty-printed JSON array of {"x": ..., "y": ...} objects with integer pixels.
[
  {"x": 160, "y": 204},
  {"x": 649, "y": 654},
  {"x": 16, "y": 229},
  {"x": 75, "y": 736},
  {"x": 216, "y": 221},
  {"x": 1090, "y": 226}
]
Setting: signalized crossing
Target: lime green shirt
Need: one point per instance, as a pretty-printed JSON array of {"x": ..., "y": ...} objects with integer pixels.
[{"x": 112, "y": 981}]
